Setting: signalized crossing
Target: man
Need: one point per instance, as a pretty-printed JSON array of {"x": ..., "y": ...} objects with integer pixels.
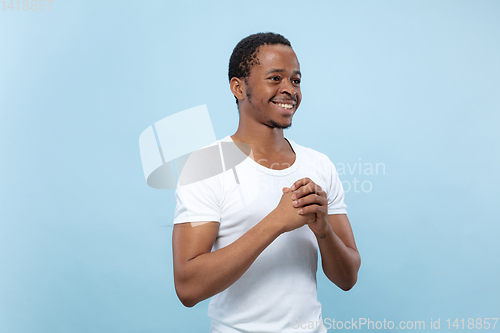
[{"x": 250, "y": 237}]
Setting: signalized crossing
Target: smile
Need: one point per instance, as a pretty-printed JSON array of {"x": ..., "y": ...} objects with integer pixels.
[{"x": 284, "y": 105}]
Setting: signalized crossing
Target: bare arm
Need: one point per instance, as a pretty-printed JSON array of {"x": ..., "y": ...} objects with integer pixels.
[
  {"x": 200, "y": 273},
  {"x": 339, "y": 255}
]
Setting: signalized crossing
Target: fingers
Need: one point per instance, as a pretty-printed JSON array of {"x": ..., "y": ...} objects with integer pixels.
[
  {"x": 319, "y": 210},
  {"x": 311, "y": 199},
  {"x": 300, "y": 182},
  {"x": 307, "y": 189}
]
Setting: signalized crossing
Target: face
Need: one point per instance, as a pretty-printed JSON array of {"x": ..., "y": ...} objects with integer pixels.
[{"x": 272, "y": 89}]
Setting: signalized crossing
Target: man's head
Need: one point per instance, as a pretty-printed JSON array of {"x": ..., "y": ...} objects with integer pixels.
[
  {"x": 264, "y": 75},
  {"x": 244, "y": 55}
]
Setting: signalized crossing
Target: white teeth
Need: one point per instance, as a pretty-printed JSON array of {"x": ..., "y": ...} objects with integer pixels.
[{"x": 286, "y": 106}]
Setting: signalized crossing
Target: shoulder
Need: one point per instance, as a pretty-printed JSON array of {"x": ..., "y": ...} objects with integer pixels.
[{"x": 201, "y": 164}]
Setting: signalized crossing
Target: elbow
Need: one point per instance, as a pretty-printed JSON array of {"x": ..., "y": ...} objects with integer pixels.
[
  {"x": 185, "y": 296},
  {"x": 350, "y": 280},
  {"x": 188, "y": 292},
  {"x": 186, "y": 288},
  {"x": 188, "y": 302},
  {"x": 347, "y": 280},
  {"x": 183, "y": 288},
  {"x": 347, "y": 285}
]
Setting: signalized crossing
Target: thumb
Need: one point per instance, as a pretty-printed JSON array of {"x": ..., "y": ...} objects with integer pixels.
[{"x": 286, "y": 189}]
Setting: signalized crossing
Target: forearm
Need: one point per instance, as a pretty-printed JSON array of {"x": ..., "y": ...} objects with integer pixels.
[
  {"x": 340, "y": 263},
  {"x": 210, "y": 273}
]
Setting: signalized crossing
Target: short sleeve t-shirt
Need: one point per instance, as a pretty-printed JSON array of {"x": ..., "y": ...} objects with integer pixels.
[{"x": 279, "y": 289}]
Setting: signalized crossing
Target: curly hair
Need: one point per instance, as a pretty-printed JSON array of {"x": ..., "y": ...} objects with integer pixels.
[{"x": 244, "y": 55}]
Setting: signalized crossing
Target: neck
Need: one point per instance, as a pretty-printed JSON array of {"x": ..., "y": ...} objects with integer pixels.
[{"x": 261, "y": 138}]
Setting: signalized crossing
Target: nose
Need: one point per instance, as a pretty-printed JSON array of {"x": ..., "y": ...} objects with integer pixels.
[{"x": 288, "y": 88}]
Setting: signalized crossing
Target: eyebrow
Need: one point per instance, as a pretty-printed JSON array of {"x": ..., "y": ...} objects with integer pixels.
[{"x": 276, "y": 70}]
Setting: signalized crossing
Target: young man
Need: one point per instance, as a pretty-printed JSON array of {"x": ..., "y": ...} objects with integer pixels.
[{"x": 249, "y": 237}]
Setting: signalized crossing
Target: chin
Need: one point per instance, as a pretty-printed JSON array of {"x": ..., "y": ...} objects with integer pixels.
[{"x": 274, "y": 124}]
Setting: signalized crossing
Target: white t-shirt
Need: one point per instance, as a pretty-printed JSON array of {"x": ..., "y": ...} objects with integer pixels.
[{"x": 278, "y": 292}]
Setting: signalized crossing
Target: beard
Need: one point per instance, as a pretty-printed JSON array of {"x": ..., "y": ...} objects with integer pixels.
[{"x": 273, "y": 124}]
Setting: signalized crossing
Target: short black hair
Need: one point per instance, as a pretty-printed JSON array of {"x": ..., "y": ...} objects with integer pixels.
[{"x": 244, "y": 55}]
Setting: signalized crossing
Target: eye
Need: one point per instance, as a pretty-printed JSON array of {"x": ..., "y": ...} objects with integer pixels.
[
  {"x": 296, "y": 81},
  {"x": 275, "y": 78}
]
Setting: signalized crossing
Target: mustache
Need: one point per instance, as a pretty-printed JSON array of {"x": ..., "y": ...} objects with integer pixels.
[{"x": 281, "y": 100}]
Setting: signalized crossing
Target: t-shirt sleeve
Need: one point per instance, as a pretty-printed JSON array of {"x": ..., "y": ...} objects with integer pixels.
[
  {"x": 335, "y": 194},
  {"x": 197, "y": 202},
  {"x": 198, "y": 193}
]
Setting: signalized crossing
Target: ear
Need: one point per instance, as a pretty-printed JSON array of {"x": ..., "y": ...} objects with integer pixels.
[{"x": 237, "y": 86}]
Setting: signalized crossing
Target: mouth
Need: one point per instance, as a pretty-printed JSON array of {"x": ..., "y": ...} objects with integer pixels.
[{"x": 287, "y": 105}]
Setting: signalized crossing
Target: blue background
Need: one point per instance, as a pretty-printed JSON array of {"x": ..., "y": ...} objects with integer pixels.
[{"x": 84, "y": 242}]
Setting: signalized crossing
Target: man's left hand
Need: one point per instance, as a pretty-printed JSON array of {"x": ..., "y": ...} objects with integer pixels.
[{"x": 310, "y": 198}]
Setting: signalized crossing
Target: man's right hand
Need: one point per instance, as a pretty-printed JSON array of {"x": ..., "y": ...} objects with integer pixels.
[{"x": 287, "y": 217}]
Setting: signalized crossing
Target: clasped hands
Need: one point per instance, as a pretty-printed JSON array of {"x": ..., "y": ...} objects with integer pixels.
[{"x": 310, "y": 199}]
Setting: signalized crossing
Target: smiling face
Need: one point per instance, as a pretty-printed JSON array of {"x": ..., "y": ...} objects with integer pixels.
[{"x": 271, "y": 93}]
